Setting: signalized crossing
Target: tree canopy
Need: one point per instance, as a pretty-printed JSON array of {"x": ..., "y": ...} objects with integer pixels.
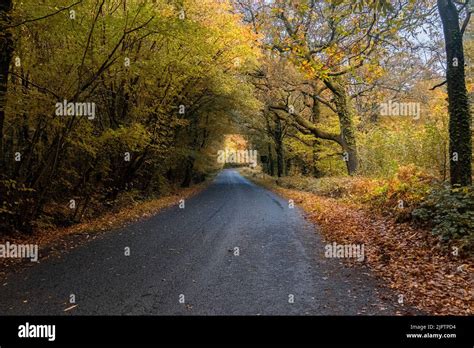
[{"x": 101, "y": 99}]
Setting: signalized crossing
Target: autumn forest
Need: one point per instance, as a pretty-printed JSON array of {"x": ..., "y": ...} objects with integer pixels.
[{"x": 359, "y": 112}]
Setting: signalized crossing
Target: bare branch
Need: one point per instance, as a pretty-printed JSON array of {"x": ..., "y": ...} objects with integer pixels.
[
  {"x": 43, "y": 17},
  {"x": 438, "y": 85}
]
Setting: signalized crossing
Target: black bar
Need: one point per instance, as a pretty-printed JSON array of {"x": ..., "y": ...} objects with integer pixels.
[{"x": 261, "y": 330}]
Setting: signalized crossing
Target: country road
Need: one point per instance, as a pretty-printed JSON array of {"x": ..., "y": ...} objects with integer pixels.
[{"x": 279, "y": 269}]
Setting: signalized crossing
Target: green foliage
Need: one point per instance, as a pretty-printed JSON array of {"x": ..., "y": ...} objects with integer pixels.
[
  {"x": 163, "y": 84},
  {"x": 450, "y": 212},
  {"x": 384, "y": 149}
]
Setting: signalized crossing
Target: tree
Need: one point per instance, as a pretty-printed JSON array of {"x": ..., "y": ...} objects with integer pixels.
[
  {"x": 163, "y": 77},
  {"x": 460, "y": 145},
  {"x": 330, "y": 41},
  {"x": 6, "y": 51}
]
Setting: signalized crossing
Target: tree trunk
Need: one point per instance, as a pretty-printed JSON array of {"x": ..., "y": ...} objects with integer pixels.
[
  {"x": 6, "y": 52},
  {"x": 460, "y": 144},
  {"x": 346, "y": 124},
  {"x": 271, "y": 165},
  {"x": 188, "y": 173},
  {"x": 280, "y": 160},
  {"x": 315, "y": 159},
  {"x": 279, "y": 148},
  {"x": 315, "y": 117}
]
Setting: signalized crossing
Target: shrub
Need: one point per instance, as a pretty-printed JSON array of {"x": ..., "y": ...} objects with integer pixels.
[
  {"x": 450, "y": 213},
  {"x": 402, "y": 193}
]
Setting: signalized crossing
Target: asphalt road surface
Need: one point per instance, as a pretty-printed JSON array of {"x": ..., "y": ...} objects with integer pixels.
[{"x": 190, "y": 254}]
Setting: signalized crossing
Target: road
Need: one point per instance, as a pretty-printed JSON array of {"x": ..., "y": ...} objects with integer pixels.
[{"x": 279, "y": 269}]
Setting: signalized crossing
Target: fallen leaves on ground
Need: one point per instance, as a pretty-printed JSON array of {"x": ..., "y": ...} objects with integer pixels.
[{"x": 409, "y": 259}]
